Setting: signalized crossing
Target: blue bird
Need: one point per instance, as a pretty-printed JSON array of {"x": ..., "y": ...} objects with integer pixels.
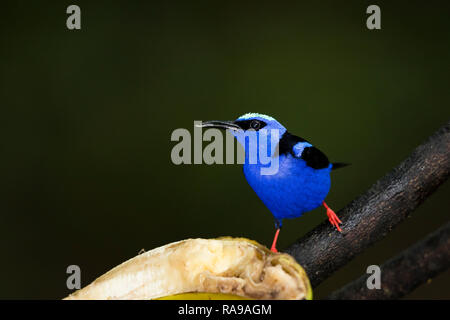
[{"x": 301, "y": 179}]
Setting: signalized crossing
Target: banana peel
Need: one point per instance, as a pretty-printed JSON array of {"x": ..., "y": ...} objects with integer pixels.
[{"x": 203, "y": 269}]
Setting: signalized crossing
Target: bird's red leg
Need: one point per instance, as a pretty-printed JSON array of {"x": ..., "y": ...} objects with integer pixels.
[
  {"x": 332, "y": 217},
  {"x": 274, "y": 243}
]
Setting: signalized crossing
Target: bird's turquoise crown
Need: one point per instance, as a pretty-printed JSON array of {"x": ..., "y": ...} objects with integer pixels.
[{"x": 253, "y": 115}]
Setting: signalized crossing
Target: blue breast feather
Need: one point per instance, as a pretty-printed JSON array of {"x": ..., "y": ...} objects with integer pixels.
[{"x": 295, "y": 189}]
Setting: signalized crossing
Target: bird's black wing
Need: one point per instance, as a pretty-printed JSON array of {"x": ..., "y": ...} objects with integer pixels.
[{"x": 314, "y": 158}]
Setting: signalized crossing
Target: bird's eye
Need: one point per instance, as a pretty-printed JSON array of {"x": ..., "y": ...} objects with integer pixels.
[{"x": 255, "y": 124}]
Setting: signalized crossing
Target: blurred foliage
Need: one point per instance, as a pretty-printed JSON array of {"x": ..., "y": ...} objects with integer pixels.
[{"x": 86, "y": 118}]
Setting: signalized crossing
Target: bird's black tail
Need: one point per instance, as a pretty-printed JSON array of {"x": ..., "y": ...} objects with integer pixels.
[{"x": 338, "y": 165}]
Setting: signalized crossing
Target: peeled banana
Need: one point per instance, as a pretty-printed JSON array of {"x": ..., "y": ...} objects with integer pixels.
[{"x": 223, "y": 268}]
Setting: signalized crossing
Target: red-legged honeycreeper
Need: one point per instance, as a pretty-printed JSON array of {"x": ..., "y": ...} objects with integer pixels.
[{"x": 302, "y": 180}]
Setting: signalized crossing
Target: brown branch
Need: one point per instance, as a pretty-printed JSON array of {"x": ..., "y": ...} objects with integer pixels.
[
  {"x": 406, "y": 271},
  {"x": 372, "y": 215}
]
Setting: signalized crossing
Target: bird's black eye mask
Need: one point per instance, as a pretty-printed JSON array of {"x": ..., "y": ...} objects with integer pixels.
[{"x": 251, "y": 124}]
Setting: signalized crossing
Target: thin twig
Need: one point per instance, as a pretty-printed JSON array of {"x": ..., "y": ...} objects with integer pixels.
[
  {"x": 406, "y": 271},
  {"x": 374, "y": 214}
]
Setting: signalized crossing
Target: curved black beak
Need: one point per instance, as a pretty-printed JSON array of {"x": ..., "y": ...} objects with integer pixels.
[{"x": 220, "y": 125}]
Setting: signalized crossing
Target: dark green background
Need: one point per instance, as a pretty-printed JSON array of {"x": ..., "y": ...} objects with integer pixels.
[{"x": 86, "y": 118}]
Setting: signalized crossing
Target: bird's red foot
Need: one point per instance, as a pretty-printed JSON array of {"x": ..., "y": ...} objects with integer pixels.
[
  {"x": 274, "y": 243},
  {"x": 332, "y": 217}
]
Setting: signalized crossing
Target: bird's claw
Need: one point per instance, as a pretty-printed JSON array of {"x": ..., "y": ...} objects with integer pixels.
[
  {"x": 333, "y": 218},
  {"x": 335, "y": 222}
]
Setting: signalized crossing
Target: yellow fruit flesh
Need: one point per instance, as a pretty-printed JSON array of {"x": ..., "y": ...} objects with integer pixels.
[
  {"x": 203, "y": 296},
  {"x": 201, "y": 269}
]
